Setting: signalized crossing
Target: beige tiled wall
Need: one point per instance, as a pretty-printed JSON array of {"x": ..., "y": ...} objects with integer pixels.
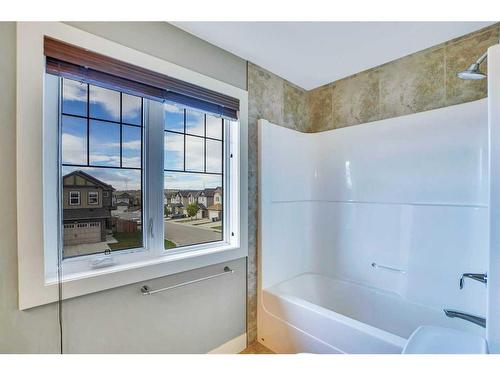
[
  {"x": 419, "y": 82},
  {"x": 274, "y": 99}
]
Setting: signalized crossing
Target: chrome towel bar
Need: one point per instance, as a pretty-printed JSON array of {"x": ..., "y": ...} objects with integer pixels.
[
  {"x": 146, "y": 290},
  {"x": 375, "y": 265}
]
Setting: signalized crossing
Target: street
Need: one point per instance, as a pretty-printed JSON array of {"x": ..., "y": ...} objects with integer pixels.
[{"x": 188, "y": 234}]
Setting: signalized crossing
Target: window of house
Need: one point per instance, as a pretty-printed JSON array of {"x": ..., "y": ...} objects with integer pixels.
[
  {"x": 101, "y": 146},
  {"x": 74, "y": 198},
  {"x": 194, "y": 163},
  {"x": 93, "y": 197},
  {"x": 143, "y": 129},
  {"x": 102, "y": 142}
]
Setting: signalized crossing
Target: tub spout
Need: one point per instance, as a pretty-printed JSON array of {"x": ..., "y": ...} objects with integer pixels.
[
  {"x": 470, "y": 318},
  {"x": 481, "y": 277}
]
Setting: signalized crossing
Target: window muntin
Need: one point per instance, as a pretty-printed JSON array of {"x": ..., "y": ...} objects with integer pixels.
[
  {"x": 101, "y": 149},
  {"x": 193, "y": 177}
]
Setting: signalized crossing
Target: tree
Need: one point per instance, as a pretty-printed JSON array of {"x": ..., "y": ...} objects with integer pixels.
[
  {"x": 166, "y": 211},
  {"x": 192, "y": 210}
]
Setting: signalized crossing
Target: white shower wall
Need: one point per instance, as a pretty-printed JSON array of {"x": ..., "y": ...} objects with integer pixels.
[{"x": 408, "y": 192}]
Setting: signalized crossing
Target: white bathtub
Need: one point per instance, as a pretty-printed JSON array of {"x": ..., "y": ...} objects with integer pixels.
[{"x": 315, "y": 313}]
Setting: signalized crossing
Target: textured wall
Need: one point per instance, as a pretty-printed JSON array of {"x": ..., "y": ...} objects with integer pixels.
[
  {"x": 277, "y": 100},
  {"x": 419, "y": 82},
  {"x": 34, "y": 330}
]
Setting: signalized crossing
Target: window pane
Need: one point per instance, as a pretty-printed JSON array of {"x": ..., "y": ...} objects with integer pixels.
[
  {"x": 74, "y": 140},
  {"x": 193, "y": 208},
  {"x": 74, "y": 100},
  {"x": 104, "y": 103},
  {"x": 195, "y": 150},
  {"x": 174, "y": 151},
  {"x": 104, "y": 143},
  {"x": 214, "y": 156},
  {"x": 114, "y": 223},
  {"x": 214, "y": 127},
  {"x": 174, "y": 118},
  {"x": 131, "y": 146},
  {"x": 195, "y": 123},
  {"x": 131, "y": 109}
]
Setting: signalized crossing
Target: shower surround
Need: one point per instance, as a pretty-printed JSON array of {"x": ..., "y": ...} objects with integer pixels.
[
  {"x": 422, "y": 81},
  {"x": 365, "y": 231}
]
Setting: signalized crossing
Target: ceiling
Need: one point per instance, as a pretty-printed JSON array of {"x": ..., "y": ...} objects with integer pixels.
[{"x": 311, "y": 54}]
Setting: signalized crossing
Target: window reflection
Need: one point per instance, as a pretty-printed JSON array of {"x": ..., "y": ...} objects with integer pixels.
[
  {"x": 174, "y": 118},
  {"x": 174, "y": 151},
  {"x": 193, "y": 180},
  {"x": 131, "y": 109},
  {"x": 74, "y": 101},
  {"x": 74, "y": 140},
  {"x": 104, "y": 143},
  {"x": 101, "y": 170},
  {"x": 195, "y": 123},
  {"x": 195, "y": 152},
  {"x": 214, "y": 127},
  {"x": 104, "y": 103}
]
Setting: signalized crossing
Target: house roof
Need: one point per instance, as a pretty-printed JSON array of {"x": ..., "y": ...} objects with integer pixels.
[
  {"x": 90, "y": 178},
  {"x": 170, "y": 194},
  {"x": 185, "y": 193},
  {"x": 85, "y": 213},
  {"x": 124, "y": 195},
  {"x": 210, "y": 192}
]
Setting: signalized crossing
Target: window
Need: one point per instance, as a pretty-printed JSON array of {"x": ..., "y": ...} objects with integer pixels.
[
  {"x": 93, "y": 198},
  {"x": 90, "y": 146},
  {"x": 101, "y": 146},
  {"x": 193, "y": 167},
  {"x": 74, "y": 198}
]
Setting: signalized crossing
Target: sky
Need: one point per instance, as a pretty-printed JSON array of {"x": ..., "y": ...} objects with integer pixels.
[{"x": 104, "y": 139}]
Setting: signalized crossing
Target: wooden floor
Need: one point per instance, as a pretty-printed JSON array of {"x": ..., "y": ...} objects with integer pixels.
[{"x": 257, "y": 348}]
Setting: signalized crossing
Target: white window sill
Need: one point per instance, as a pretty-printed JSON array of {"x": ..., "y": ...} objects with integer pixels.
[
  {"x": 74, "y": 269},
  {"x": 94, "y": 280}
]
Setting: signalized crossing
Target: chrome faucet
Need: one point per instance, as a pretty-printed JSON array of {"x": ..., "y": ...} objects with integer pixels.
[
  {"x": 481, "y": 277},
  {"x": 470, "y": 318}
]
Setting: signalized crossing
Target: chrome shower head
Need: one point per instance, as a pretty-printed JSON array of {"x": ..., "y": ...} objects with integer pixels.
[{"x": 473, "y": 72}]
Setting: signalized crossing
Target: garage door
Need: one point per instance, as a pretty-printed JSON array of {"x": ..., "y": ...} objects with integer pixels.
[{"x": 80, "y": 233}]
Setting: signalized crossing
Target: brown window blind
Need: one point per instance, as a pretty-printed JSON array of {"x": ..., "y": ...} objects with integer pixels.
[{"x": 73, "y": 62}]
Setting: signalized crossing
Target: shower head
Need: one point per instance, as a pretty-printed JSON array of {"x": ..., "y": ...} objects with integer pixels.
[{"x": 473, "y": 72}]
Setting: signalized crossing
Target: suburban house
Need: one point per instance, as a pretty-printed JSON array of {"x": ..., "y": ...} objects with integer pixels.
[
  {"x": 124, "y": 197},
  {"x": 87, "y": 205},
  {"x": 209, "y": 202}
]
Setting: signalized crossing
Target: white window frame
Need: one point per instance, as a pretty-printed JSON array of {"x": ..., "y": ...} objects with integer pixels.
[
  {"x": 36, "y": 172},
  {"x": 96, "y": 197},
  {"x": 79, "y": 197}
]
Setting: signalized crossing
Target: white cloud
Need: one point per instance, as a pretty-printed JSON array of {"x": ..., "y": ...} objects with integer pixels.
[
  {"x": 109, "y": 99},
  {"x": 74, "y": 149}
]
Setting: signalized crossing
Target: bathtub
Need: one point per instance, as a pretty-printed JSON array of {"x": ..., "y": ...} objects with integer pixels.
[{"x": 319, "y": 314}]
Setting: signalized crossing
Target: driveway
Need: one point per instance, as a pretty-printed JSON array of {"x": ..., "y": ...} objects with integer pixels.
[{"x": 189, "y": 234}]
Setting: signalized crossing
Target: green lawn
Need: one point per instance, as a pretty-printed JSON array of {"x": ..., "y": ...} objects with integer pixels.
[
  {"x": 131, "y": 240},
  {"x": 169, "y": 244},
  {"x": 219, "y": 227}
]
